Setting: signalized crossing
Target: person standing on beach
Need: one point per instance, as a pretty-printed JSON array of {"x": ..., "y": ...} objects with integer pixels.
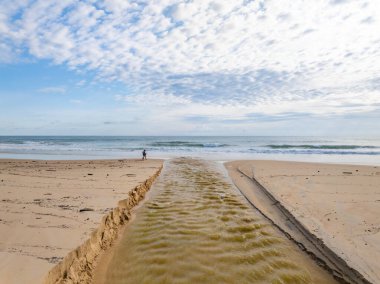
[{"x": 144, "y": 155}]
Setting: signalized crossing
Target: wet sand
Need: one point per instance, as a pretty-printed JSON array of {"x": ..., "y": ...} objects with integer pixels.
[
  {"x": 339, "y": 205},
  {"x": 196, "y": 227},
  {"x": 48, "y": 208}
]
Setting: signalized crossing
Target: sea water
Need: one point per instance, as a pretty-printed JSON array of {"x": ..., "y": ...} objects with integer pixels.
[{"x": 319, "y": 149}]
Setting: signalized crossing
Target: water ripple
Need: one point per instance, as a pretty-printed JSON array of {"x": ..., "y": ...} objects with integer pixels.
[{"x": 196, "y": 228}]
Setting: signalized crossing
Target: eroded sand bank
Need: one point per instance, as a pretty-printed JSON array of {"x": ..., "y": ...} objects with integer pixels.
[
  {"x": 48, "y": 208},
  {"x": 339, "y": 204},
  {"x": 197, "y": 228}
]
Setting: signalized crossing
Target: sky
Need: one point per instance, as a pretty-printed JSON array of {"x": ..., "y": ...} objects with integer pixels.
[{"x": 169, "y": 67}]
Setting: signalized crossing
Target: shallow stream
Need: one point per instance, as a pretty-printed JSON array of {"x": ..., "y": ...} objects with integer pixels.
[{"x": 197, "y": 228}]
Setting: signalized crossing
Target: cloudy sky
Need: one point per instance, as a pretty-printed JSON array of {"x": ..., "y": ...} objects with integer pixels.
[{"x": 169, "y": 67}]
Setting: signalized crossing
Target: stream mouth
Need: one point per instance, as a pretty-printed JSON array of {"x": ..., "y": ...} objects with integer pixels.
[{"x": 197, "y": 228}]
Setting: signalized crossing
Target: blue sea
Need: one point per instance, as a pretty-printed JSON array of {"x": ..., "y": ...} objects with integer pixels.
[{"x": 316, "y": 149}]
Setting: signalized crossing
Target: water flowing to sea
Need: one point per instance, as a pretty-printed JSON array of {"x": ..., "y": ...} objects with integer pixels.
[{"x": 196, "y": 228}]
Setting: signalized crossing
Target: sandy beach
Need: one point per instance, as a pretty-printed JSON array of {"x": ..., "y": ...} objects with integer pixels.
[
  {"x": 339, "y": 204},
  {"x": 48, "y": 208},
  {"x": 259, "y": 119}
]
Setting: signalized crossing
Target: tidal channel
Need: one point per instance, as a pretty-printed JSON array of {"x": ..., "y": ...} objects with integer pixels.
[{"x": 195, "y": 227}]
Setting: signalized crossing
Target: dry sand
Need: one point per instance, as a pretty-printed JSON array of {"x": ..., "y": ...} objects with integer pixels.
[
  {"x": 40, "y": 204},
  {"x": 339, "y": 204}
]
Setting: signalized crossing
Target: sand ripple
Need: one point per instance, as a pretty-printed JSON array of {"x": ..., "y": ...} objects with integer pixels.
[{"x": 196, "y": 228}]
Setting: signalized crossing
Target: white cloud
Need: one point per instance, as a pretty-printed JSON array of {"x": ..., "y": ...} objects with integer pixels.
[
  {"x": 81, "y": 83},
  {"x": 75, "y": 101},
  {"x": 153, "y": 100},
  {"x": 52, "y": 90},
  {"x": 269, "y": 56}
]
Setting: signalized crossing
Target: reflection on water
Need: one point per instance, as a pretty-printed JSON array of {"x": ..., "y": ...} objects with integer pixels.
[{"x": 196, "y": 228}]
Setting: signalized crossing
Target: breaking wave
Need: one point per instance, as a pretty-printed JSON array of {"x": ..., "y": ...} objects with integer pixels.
[
  {"x": 327, "y": 147},
  {"x": 186, "y": 144}
]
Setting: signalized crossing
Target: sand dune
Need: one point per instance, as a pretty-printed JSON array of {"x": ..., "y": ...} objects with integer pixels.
[{"x": 48, "y": 208}]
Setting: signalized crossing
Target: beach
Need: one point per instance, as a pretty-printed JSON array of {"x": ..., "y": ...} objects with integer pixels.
[
  {"x": 49, "y": 208},
  {"x": 61, "y": 219},
  {"x": 338, "y": 204},
  {"x": 259, "y": 120}
]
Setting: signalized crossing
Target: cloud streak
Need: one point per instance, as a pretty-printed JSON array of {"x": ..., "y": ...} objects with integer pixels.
[{"x": 52, "y": 90}]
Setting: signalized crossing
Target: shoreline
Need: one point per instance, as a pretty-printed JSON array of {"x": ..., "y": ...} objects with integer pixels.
[
  {"x": 49, "y": 208},
  {"x": 360, "y": 160},
  {"x": 282, "y": 211}
]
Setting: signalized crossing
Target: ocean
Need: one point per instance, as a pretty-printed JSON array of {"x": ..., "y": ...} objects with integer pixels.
[{"x": 316, "y": 149}]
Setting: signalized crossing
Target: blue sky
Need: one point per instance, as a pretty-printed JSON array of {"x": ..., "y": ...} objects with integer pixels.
[{"x": 167, "y": 67}]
